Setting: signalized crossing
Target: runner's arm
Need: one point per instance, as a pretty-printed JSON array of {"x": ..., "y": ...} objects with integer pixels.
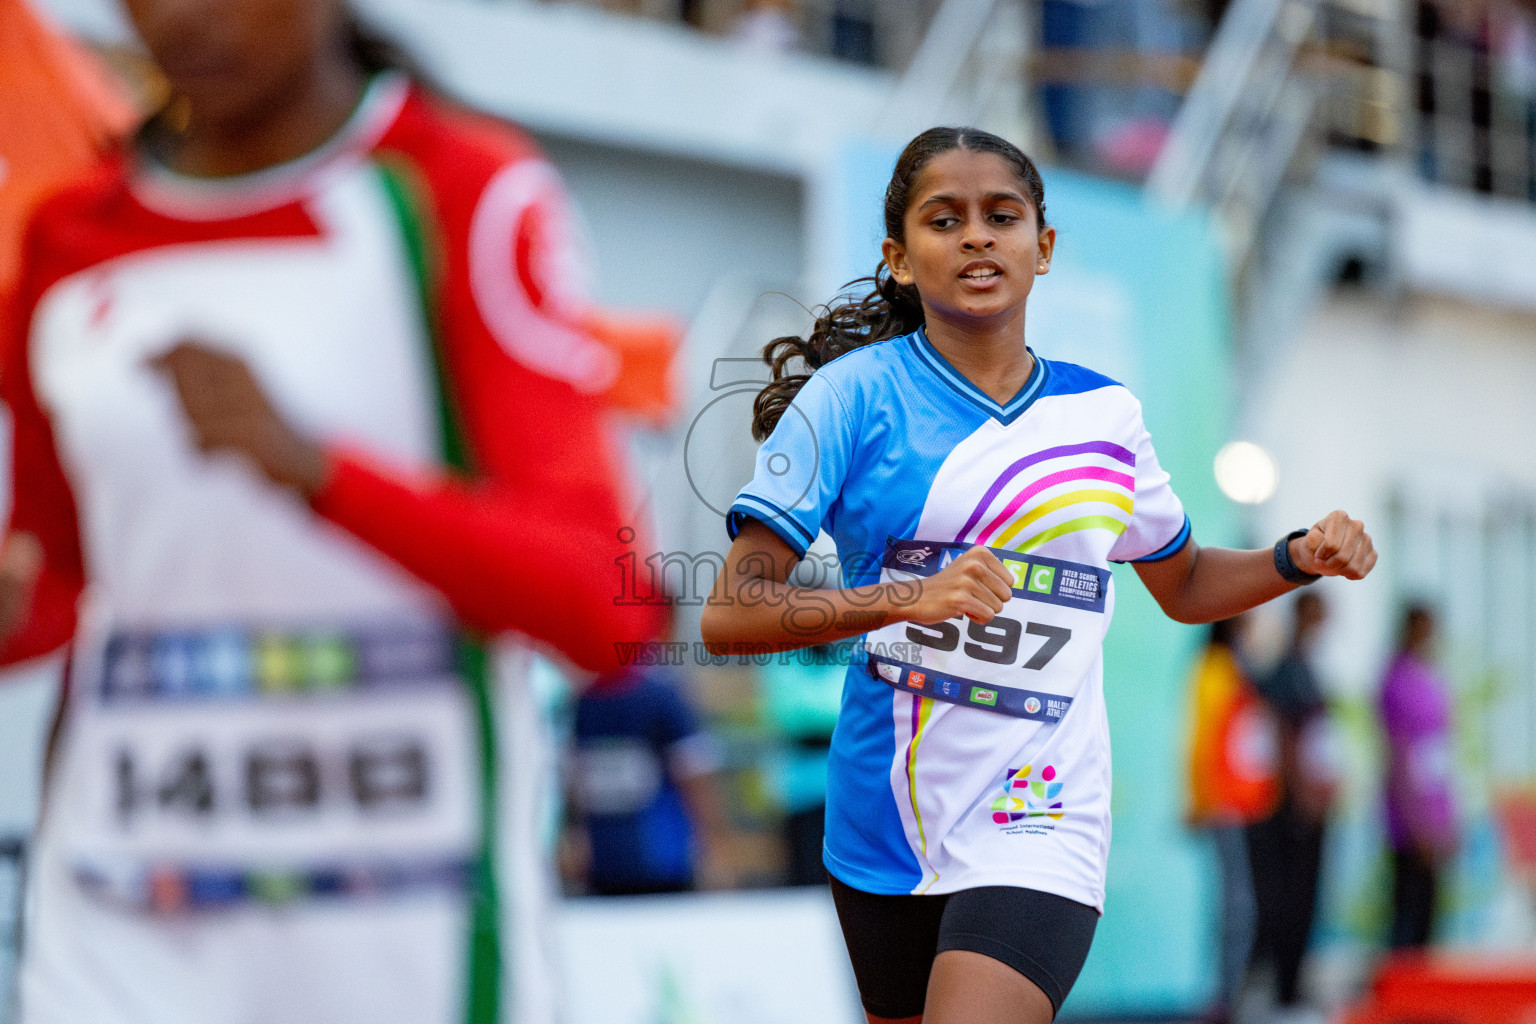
[
  {"x": 754, "y": 610},
  {"x": 542, "y": 562},
  {"x": 1199, "y": 585},
  {"x": 531, "y": 542},
  {"x": 41, "y": 566}
]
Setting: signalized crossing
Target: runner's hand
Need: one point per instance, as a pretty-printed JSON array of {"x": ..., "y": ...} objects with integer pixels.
[
  {"x": 1336, "y": 546},
  {"x": 228, "y": 411},
  {"x": 975, "y": 585},
  {"x": 21, "y": 562}
]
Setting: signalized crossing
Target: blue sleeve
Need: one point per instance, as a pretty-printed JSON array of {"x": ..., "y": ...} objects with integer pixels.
[{"x": 800, "y": 468}]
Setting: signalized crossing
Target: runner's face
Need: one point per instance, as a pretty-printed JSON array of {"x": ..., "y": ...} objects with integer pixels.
[
  {"x": 972, "y": 247},
  {"x": 230, "y": 58}
]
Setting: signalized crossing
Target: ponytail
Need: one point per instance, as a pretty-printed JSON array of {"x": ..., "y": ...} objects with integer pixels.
[{"x": 888, "y": 311}]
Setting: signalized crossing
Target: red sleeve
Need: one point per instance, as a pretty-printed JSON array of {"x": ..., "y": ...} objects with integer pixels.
[
  {"x": 534, "y": 553},
  {"x": 532, "y": 542},
  {"x": 42, "y": 503}
]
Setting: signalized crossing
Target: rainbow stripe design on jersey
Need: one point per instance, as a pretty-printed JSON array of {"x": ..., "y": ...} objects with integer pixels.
[{"x": 1108, "y": 506}]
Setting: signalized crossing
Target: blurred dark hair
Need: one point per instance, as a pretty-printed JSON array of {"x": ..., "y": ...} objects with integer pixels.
[
  {"x": 374, "y": 51},
  {"x": 889, "y": 310},
  {"x": 1417, "y": 615},
  {"x": 1227, "y": 631}
]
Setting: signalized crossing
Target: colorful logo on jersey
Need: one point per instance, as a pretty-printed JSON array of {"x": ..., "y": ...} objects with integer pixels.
[
  {"x": 1025, "y": 797},
  {"x": 981, "y": 695},
  {"x": 916, "y": 679}
]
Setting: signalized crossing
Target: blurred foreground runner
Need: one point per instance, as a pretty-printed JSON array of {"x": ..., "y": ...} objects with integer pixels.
[
  {"x": 977, "y": 494},
  {"x": 308, "y": 433}
]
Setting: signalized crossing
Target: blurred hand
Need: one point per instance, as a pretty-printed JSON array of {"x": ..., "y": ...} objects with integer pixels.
[
  {"x": 21, "y": 562},
  {"x": 1336, "y": 546},
  {"x": 975, "y": 585},
  {"x": 228, "y": 411}
]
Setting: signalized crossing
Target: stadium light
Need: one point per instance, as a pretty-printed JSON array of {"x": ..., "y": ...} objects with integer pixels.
[{"x": 1246, "y": 473}]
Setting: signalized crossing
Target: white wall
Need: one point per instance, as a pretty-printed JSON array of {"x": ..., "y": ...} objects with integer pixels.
[
  {"x": 640, "y": 84},
  {"x": 1382, "y": 393},
  {"x": 664, "y": 229}
]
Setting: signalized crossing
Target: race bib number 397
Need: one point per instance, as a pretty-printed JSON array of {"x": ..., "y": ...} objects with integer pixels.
[{"x": 1028, "y": 661}]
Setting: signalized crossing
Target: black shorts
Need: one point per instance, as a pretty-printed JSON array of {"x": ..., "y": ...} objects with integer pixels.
[{"x": 892, "y": 940}]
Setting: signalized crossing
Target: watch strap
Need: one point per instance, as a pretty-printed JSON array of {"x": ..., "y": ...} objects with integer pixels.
[{"x": 1287, "y": 568}]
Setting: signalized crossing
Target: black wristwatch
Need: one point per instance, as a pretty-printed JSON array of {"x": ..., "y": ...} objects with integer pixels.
[{"x": 1287, "y": 568}]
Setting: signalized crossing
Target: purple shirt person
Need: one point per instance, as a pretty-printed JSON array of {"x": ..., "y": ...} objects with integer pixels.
[{"x": 1415, "y": 710}]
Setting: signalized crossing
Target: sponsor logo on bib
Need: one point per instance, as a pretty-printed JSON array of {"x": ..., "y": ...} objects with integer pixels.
[
  {"x": 981, "y": 695},
  {"x": 916, "y": 679},
  {"x": 890, "y": 673},
  {"x": 1032, "y": 705},
  {"x": 1041, "y": 579}
]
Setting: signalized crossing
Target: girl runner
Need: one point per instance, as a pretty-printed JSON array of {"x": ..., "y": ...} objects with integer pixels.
[
  {"x": 977, "y": 494},
  {"x": 302, "y": 407}
]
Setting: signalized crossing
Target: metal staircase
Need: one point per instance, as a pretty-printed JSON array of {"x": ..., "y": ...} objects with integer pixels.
[{"x": 1239, "y": 129}]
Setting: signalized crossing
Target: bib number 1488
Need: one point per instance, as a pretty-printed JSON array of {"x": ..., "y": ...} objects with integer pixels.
[{"x": 996, "y": 642}]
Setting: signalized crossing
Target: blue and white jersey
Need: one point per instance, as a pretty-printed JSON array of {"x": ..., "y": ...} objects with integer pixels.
[{"x": 969, "y": 755}]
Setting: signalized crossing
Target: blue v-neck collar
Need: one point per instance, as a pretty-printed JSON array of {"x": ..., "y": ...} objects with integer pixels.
[{"x": 1004, "y": 414}]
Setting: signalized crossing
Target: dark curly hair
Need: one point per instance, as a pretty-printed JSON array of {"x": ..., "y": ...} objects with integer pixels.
[
  {"x": 889, "y": 310},
  {"x": 374, "y": 51}
]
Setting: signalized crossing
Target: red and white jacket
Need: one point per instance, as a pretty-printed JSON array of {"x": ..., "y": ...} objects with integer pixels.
[
  {"x": 409, "y": 294},
  {"x": 529, "y": 541}
]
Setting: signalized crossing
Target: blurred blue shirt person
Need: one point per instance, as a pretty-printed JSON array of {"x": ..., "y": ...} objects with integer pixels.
[{"x": 640, "y": 782}]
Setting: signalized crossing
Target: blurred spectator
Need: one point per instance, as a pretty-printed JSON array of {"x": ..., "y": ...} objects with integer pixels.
[
  {"x": 1232, "y": 783},
  {"x": 802, "y": 691},
  {"x": 644, "y": 788},
  {"x": 1415, "y": 707},
  {"x": 853, "y": 31},
  {"x": 1286, "y": 848},
  {"x": 1108, "y": 99},
  {"x": 768, "y": 26}
]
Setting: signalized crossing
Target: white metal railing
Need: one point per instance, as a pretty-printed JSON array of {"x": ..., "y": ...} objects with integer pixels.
[
  {"x": 1240, "y": 125},
  {"x": 968, "y": 69}
]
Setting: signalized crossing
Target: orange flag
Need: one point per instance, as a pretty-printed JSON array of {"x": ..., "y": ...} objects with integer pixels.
[
  {"x": 646, "y": 344},
  {"x": 59, "y": 111}
]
